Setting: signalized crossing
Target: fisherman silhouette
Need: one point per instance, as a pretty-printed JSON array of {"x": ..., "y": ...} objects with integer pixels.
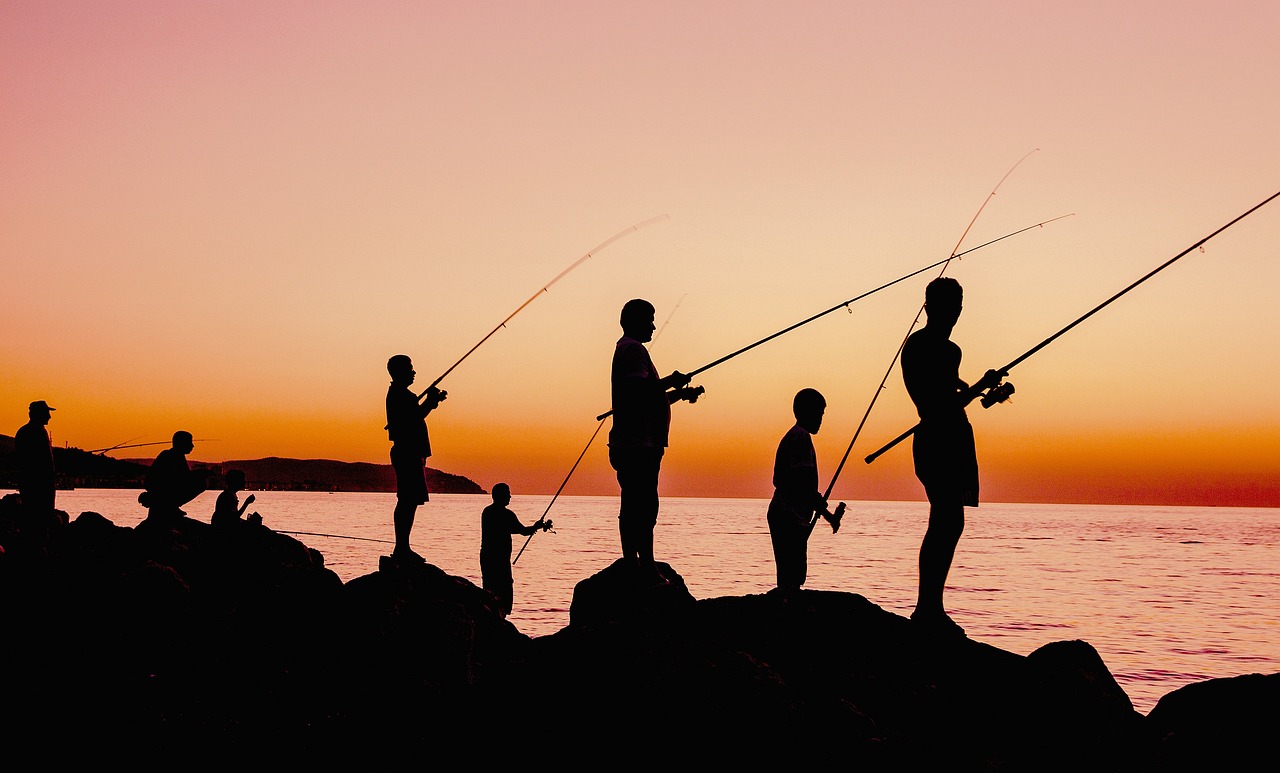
[
  {"x": 228, "y": 510},
  {"x": 638, "y": 438},
  {"x": 34, "y": 451},
  {"x": 943, "y": 450},
  {"x": 170, "y": 482},
  {"x": 497, "y": 524},
  {"x": 410, "y": 448},
  {"x": 795, "y": 492}
]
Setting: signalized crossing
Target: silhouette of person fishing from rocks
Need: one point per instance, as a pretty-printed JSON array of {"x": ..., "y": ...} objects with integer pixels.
[
  {"x": 638, "y": 438},
  {"x": 37, "y": 476},
  {"x": 170, "y": 482},
  {"x": 497, "y": 524},
  {"x": 410, "y": 448},
  {"x": 795, "y": 492},
  {"x": 943, "y": 449},
  {"x": 228, "y": 510}
]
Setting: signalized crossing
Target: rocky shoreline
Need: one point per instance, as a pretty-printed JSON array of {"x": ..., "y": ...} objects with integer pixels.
[{"x": 144, "y": 643}]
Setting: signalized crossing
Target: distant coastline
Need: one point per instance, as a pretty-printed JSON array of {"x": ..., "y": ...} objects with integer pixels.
[{"x": 80, "y": 469}]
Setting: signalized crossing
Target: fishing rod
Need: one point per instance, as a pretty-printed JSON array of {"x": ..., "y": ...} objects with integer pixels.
[
  {"x": 845, "y": 304},
  {"x": 1001, "y": 392},
  {"x": 532, "y": 298},
  {"x": 141, "y": 445},
  {"x": 813, "y": 521},
  {"x": 121, "y": 444},
  {"x": 666, "y": 321},
  {"x": 543, "y": 519}
]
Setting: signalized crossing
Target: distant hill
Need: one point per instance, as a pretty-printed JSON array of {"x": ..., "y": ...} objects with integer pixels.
[
  {"x": 327, "y": 475},
  {"x": 81, "y": 469}
]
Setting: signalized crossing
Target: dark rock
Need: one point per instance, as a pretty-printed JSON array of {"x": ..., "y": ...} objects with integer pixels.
[
  {"x": 172, "y": 643},
  {"x": 1218, "y": 724}
]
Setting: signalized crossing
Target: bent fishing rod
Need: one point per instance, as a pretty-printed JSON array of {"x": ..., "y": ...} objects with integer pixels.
[
  {"x": 1001, "y": 392},
  {"x": 543, "y": 520},
  {"x": 532, "y": 298},
  {"x": 813, "y": 520},
  {"x": 847, "y": 303}
]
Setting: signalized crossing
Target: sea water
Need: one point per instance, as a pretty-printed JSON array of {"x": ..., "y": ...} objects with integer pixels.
[{"x": 1167, "y": 595}]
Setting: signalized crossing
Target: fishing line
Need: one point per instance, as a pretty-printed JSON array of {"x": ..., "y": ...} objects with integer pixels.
[
  {"x": 557, "y": 494},
  {"x": 915, "y": 321},
  {"x": 335, "y": 536},
  {"x": 1000, "y": 392},
  {"x": 847, "y": 303},
  {"x": 558, "y": 277}
]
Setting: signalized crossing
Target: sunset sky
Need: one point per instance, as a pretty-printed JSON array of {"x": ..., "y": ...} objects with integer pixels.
[{"x": 224, "y": 217}]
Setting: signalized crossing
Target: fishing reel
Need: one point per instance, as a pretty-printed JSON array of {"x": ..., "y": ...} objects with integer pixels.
[
  {"x": 546, "y": 525},
  {"x": 692, "y": 393},
  {"x": 997, "y": 394}
]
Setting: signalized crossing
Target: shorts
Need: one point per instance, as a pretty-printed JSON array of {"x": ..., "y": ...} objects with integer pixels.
[
  {"x": 411, "y": 476},
  {"x": 946, "y": 463}
]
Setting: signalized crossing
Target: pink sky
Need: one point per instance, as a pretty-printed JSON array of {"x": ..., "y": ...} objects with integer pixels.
[{"x": 224, "y": 217}]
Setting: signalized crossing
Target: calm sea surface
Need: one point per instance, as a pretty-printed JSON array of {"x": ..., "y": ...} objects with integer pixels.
[{"x": 1167, "y": 595}]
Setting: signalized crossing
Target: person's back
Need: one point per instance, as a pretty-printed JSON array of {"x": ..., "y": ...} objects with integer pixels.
[{"x": 170, "y": 483}]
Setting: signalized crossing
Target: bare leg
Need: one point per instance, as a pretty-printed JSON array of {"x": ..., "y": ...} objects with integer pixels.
[
  {"x": 937, "y": 550},
  {"x": 403, "y": 521}
]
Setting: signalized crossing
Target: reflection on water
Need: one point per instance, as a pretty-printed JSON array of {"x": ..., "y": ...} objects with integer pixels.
[{"x": 1166, "y": 595}]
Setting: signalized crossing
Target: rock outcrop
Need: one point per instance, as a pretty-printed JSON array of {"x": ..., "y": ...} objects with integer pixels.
[{"x": 190, "y": 643}]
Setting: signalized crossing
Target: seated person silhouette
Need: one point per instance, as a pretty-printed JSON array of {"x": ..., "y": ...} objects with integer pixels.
[{"x": 228, "y": 510}]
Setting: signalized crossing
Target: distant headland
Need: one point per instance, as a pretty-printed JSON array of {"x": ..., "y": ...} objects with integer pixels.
[{"x": 81, "y": 469}]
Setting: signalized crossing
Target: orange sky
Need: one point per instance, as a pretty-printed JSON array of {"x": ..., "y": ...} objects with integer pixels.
[{"x": 224, "y": 217}]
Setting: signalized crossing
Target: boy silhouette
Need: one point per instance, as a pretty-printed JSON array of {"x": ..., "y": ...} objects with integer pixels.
[{"x": 795, "y": 492}]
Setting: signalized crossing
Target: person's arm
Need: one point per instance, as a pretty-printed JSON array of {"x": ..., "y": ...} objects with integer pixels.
[
  {"x": 430, "y": 398},
  {"x": 990, "y": 380},
  {"x": 533, "y": 528},
  {"x": 247, "y": 501},
  {"x": 676, "y": 388}
]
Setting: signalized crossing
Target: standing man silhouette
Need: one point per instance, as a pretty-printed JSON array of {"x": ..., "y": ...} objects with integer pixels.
[
  {"x": 497, "y": 524},
  {"x": 638, "y": 438},
  {"x": 410, "y": 448},
  {"x": 34, "y": 449},
  {"x": 946, "y": 461}
]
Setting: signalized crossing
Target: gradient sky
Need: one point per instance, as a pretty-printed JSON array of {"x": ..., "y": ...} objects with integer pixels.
[{"x": 225, "y": 216}]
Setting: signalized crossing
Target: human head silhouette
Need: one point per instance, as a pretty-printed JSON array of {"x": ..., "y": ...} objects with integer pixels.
[
  {"x": 501, "y": 494},
  {"x": 637, "y": 319},
  {"x": 235, "y": 480},
  {"x": 943, "y": 299},
  {"x": 401, "y": 369},
  {"x": 809, "y": 406},
  {"x": 183, "y": 443},
  {"x": 38, "y": 412}
]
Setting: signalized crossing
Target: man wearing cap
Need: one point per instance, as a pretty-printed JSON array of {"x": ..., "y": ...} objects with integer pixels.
[{"x": 35, "y": 460}]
